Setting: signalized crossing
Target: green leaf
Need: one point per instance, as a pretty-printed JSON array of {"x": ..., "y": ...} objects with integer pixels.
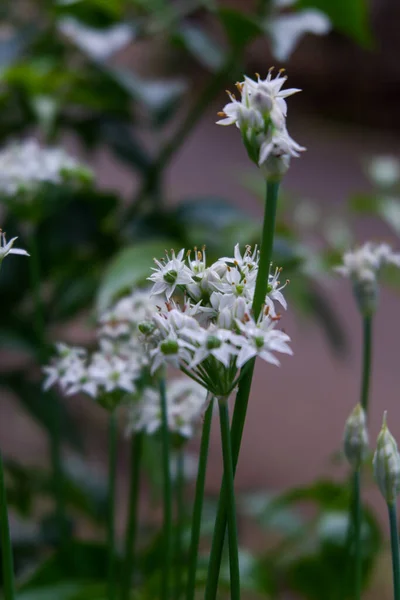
[
  {"x": 200, "y": 45},
  {"x": 129, "y": 268},
  {"x": 240, "y": 27},
  {"x": 348, "y": 16}
]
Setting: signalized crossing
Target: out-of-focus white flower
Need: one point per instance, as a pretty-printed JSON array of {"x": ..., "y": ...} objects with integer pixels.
[
  {"x": 276, "y": 153},
  {"x": 6, "y": 248},
  {"x": 122, "y": 319},
  {"x": 386, "y": 464},
  {"x": 167, "y": 275},
  {"x": 186, "y": 403},
  {"x": 286, "y": 30},
  {"x": 384, "y": 170},
  {"x": 364, "y": 263},
  {"x": 25, "y": 165},
  {"x": 100, "y": 44},
  {"x": 355, "y": 437}
]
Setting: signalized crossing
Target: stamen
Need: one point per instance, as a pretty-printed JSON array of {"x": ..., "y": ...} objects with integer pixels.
[{"x": 222, "y": 114}]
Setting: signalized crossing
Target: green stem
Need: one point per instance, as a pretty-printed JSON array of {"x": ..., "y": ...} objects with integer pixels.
[
  {"x": 230, "y": 499},
  {"x": 366, "y": 362},
  {"x": 394, "y": 541},
  {"x": 165, "y": 580},
  {"x": 357, "y": 523},
  {"x": 198, "y": 503},
  {"x": 180, "y": 517},
  {"x": 129, "y": 563},
  {"x": 242, "y": 398},
  {"x": 112, "y": 471},
  {"x": 6, "y": 547},
  {"x": 55, "y": 434}
]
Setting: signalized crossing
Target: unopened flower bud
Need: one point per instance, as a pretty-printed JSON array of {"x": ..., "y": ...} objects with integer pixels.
[
  {"x": 366, "y": 294},
  {"x": 225, "y": 318},
  {"x": 355, "y": 438},
  {"x": 146, "y": 327},
  {"x": 262, "y": 102},
  {"x": 386, "y": 464},
  {"x": 169, "y": 347}
]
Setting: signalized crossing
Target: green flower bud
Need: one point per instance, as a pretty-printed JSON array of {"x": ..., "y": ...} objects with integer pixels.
[
  {"x": 146, "y": 327},
  {"x": 386, "y": 464},
  {"x": 169, "y": 347},
  {"x": 366, "y": 294},
  {"x": 355, "y": 438}
]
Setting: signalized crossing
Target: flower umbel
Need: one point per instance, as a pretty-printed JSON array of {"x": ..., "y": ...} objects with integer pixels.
[
  {"x": 260, "y": 114},
  {"x": 386, "y": 464}
]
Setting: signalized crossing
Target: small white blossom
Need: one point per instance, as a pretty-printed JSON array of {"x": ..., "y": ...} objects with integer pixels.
[
  {"x": 260, "y": 340},
  {"x": 6, "y": 248},
  {"x": 186, "y": 403},
  {"x": 169, "y": 274},
  {"x": 385, "y": 170},
  {"x": 25, "y": 165},
  {"x": 364, "y": 263},
  {"x": 287, "y": 29},
  {"x": 97, "y": 43}
]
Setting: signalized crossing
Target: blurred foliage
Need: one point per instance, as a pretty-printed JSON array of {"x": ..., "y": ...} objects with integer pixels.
[{"x": 59, "y": 79}]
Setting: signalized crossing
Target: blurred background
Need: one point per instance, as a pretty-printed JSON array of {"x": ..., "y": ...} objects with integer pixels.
[{"x": 131, "y": 89}]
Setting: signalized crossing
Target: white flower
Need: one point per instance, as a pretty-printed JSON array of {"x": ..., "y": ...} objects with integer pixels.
[
  {"x": 123, "y": 318},
  {"x": 6, "y": 248},
  {"x": 364, "y": 263},
  {"x": 169, "y": 274},
  {"x": 274, "y": 293},
  {"x": 186, "y": 403},
  {"x": 385, "y": 170},
  {"x": 212, "y": 342},
  {"x": 25, "y": 166},
  {"x": 170, "y": 350},
  {"x": 97, "y": 43},
  {"x": 260, "y": 340},
  {"x": 286, "y": 30}
]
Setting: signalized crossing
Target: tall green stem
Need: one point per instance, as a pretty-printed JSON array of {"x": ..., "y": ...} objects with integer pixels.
[
  {"x": 366, "y": 362},
  {"x": 357, "y": 523},
  {"x": 180, "y": 517},
  {"x": 198, "y": 503},
  {"x": 129, "y": 562},
  {"x": 394, "y": 541},
  {"x": 6, "y": 548},
  {"x": 242, "y": 398},
  {"x": 112, "y": 472},
  {"x": 165, "y": 580},
  {"x": 55, "y": 433},
  {"x": 230, "y": 499}
]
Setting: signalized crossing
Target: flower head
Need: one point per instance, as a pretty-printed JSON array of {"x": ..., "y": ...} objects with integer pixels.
[
  {"x": 355, "y": 438},
  {"x": 170, "y": 273}
]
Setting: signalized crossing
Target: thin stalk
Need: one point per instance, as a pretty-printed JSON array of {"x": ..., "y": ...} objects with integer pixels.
[
  {"x": 198, "y": 503},
  {"x": 112, "y": 471},
  {"x": 180, "y": 518},
  {"x": 230, "y": 499},
  {"x": 366, "y": 362},
  {"x": 165, "y": 580},
  {"x": 357, "y": 523},
  {"x": 55, "y": 433},
  {"x": 6, "y": 547},
  {"x": 131, "y": 530},
  {"x": 394, "y": 541},
  {"x": 242, "y": 398}
]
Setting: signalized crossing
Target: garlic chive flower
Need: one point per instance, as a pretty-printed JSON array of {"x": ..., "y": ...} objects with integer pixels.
[
  {"x": 186, "y": 404},
  {"x": 6, "y": 248},
  {"x": 260, "y": 114},
  {"x": 25, "y": 166},
  {"x": 207, "y": 329},
  {"x": 362, "y": 266},
  {"x": 355, "y": 438},
  {"x": 386, "y": 464}
]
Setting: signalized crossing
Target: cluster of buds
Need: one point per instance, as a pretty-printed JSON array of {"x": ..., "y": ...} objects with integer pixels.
[
  {"x": 206, "y": 327},
  {"x": 260, "y": 114},
  {"x": 363, "y": 266}
]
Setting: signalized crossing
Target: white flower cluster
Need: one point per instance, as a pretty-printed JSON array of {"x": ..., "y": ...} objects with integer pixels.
[
  {"x": 117, "y": 364},
  {"x": 186, "y": 403},
  {"x": 212, "y": 333},
  {"x": 25, "y": 165},
  {"x": 364, "y": 263},
  {"x": 260, "y": 114}
]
